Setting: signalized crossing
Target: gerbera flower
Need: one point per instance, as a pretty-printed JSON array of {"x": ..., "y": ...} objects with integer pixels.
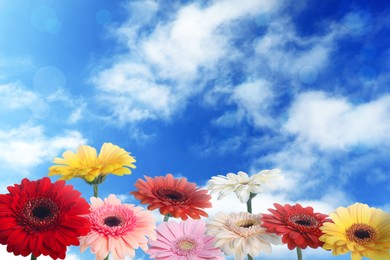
[
  {"x": 359, "y": 229},
  {"x": 41, "y": 217},
  {"x": 176, "y": 197},
  {"x": 88, "y": 165},
  {"x": 117, "y": 228},
  {"x": 242, "y": 184},
  {"x": 183, "y": 241},
  {"x": 299, "y": 226},
  {"x": 240, "y": 234}
]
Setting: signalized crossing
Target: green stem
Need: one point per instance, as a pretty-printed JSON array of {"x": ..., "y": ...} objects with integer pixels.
[
  {"x": 249, "y": 202},
  {"x": 166, "y": 217},
  {"x": 299, "y": 253},
  {"x": 95, "y": 190},
  {"x": 33, "y": 257},
  {"x": 249, "y": 209},
  {"x": 106, "y": 258}
]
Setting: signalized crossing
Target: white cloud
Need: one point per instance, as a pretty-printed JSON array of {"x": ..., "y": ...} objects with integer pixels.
[
  {"x": 255, "y": 98},
  {"x": 279, "y": 51},
  {"x": 320, "y": 128},
  {"x": 13, "y": 96},
  {"x": 27, "y": 146},
  {"x": 335, "y": 123},
  {"x": 132, "y": 93},
  {"x": 192, "y": 40},
  {"x": 284, "y": 51},
  {"x": 76, "y": 115},
  {"x": 161, "y": 70}
]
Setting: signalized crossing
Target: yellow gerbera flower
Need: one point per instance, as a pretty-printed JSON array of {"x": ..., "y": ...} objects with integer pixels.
[
  {"x": 358, "y": 229},
  {"x": 87, "y": 165}
]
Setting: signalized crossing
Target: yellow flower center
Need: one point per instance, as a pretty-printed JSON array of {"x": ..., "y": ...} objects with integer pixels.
[
  {"x": 187, "y": 244},
  {"x": 361, "y": 233},
  {"x": 246, "y": 223}
]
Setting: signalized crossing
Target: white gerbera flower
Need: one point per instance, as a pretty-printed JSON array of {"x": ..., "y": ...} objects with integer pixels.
[
  {"x": 240, "y": 234},
  {"x": 242, "y": 184}
]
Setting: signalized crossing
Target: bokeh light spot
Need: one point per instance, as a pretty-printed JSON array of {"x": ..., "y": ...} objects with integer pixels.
[
  {"x": 44, "y": 19},
  {"x": 367, "y": 74},
  {"x": 308, "y": 75},
  {"x": 47, "y": 80},
  {"x": 103, "y": 17},
  {"x": 53, "y": 26}
]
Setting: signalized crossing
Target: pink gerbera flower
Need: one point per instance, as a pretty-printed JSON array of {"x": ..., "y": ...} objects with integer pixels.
[
  {"x": 117, "y": 228},
  {"x": 183, "y": 241}
]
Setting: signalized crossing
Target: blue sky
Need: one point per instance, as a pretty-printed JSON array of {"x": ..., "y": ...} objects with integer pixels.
[{"x": 200, "y": 88}]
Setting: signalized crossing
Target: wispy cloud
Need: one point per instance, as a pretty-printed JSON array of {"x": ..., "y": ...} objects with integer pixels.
[
  {"x": 17, "y": 98},
  {"x": 14, "y": 96},
  {"x": 336, "y": 123},
  {"x": 27, "y": 146},
  {"x": 162, "y": 70}
]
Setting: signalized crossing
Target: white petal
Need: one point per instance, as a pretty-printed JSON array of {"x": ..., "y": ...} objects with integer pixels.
[{"x": 243, "y": 193}]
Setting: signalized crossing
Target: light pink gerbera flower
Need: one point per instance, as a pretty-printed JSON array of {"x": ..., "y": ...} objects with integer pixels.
[
  {"x": 117, "y": 228},
  {"x": 241, "y": 234},
  {"x": 183, "y": 241}
]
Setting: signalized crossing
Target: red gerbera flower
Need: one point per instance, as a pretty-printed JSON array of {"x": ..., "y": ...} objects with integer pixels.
[
  {"x": 176, "y": 197},
  {"x": 299, "y": 226},
  {"x": 41, "y": 217}
]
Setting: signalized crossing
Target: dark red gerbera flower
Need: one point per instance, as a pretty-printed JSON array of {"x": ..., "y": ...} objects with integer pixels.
[
  {"x": 298, "y": 226},
  {"x": 41, "y": 217},
  {"x": 177, "y": 197}
]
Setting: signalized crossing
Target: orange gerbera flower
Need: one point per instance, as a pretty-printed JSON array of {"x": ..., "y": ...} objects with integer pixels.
[{"x": 176, "y": 197}]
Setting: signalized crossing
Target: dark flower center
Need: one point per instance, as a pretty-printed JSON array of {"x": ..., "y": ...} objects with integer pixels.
[
  {"x": 361, "y": 233},
  {"x": 112, "y": 221},
  {"x": 303, "y": 221},
  {"x": 39, "y": 214},
  {"x": 170, "y": 195}
]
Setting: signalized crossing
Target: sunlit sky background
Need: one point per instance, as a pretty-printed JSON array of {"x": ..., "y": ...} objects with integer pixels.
[{"x": 200, "y": 88}]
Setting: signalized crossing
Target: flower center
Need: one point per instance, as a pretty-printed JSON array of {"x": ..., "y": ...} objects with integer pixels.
[
  {"x": 39, "y": 214},
  {"x": 186, "y": 245},
  {"x": 112, "y": 221},
  {"x": 303, "y": 221},
  {"x": 246, "y": 223},
  {"x": 361, "y": 233},
  {"x": 170, "y": 195}
]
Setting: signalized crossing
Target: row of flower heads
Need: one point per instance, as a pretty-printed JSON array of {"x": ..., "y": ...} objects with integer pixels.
[{"x": 44, "y": 218}]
